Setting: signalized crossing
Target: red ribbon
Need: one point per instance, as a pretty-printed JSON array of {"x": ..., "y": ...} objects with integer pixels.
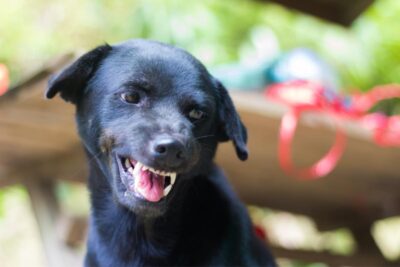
[
  {"x": 323, "y": 166},
  {"x": 386, "y": 128},
  {"x": 304, "y": 96}
]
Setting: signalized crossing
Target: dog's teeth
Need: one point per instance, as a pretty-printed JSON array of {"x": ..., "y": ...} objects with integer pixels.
[
  {"x": 167, "y": 190},
  {"x": 130, "y": 170},
  {"x": 127, "y": 163},
  {"x": 163, "y": 173},
  {"x": 137, "y": 169},
  {"x": 145, "y": 168},
  {"x": 173, "y": 178}
]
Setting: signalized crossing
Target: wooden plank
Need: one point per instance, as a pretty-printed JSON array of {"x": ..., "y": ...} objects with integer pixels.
[
  {"x": 52, "y": 135},
  {"x": 69, "y": 165},
  {"x": 40, "y": 76},
  {"x": 32, "y": 140},
  {"x": 38, "y": 116},
  {"x": 46, "y": 136},
  {"x": 330, "y": 259},
  {"x": 6, "y": 181},
  {"x": 26, "y": 129},
  {"x": 33, "y": 99},
  {"x": 30, "y": 126},
  {"x": 19, "y": 158}
]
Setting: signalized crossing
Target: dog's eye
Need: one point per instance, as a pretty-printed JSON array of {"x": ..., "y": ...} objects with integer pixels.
[
  {"x": 131, "y": 97},
  {"x": 196, "y": 114}
]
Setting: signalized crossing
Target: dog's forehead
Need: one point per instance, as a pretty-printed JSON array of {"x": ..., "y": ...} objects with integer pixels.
[{"x": 161, "y": 66}]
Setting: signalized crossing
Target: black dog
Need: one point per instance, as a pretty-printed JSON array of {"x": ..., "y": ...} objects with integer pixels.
[{"x": 150, "y": 117}]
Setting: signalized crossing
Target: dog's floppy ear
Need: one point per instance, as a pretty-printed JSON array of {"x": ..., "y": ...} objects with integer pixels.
[
  {"x": 231, "y": 127},
  {"x": 71, "y": 80}
]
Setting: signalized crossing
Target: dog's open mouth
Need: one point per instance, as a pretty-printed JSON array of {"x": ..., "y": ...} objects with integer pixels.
[{"x": 145, "y": 182}]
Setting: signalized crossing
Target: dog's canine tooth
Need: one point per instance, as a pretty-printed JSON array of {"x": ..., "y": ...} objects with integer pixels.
[
  {"x": 137, "y": 169},
  {"x": 167, "y": 190},
  {"x": 127, "y": 163},
  {"x": 173, "y": 178},
  {"x": 145, "y": 168},
  {"x": 130, "y": 170}
]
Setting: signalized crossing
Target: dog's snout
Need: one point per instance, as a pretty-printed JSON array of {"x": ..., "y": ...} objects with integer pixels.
[{"x": 169, "y": 150}]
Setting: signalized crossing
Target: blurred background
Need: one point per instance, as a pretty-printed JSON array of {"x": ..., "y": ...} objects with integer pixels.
[
  {"x": 237, "y": 40},
  {"x": 217, "y": 32}
]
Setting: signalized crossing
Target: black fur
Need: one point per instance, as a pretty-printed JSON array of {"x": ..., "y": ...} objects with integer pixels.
[{"x": 201, "y": 222}]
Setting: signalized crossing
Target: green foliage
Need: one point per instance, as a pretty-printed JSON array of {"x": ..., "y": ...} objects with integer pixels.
[
  {"x": 12, "y": 193},
  {"x": 33, "y": 31},
  {"x": 73, "y": 198},
  {"x": 19, "y": 237},
  {"x": 2, "y": 201}
]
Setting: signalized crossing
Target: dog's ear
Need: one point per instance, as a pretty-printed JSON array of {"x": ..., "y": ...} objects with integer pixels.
[
  {"x": 70, "y": 81},
  {"x": 230, "y": 125}
]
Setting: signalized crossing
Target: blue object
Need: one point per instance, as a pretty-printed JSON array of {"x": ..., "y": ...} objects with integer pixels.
[
  {"x": 241, "y": 77},
  {"x": 302, "y": 64}
]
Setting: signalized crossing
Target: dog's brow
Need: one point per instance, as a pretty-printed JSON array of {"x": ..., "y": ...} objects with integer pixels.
[
  {"x": 139, "y": 83},
  {"x": 207, "y": 101}
]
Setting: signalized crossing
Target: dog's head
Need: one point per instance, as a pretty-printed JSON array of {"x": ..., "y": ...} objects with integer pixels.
[{"x": 152, "y": 116}]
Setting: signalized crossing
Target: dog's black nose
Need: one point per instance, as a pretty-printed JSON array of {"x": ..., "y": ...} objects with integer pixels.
[{"x": 169, "y": 150}]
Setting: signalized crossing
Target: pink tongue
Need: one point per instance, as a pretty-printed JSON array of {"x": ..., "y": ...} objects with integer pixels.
[{"x": 149, "y": 185}]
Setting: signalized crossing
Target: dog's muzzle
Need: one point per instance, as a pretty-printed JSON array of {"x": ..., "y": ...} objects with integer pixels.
[{"x": 145, "y": 182}]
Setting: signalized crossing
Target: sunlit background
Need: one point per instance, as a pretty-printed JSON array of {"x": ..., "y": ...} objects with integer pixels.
[{"x": 230, "y": 37}]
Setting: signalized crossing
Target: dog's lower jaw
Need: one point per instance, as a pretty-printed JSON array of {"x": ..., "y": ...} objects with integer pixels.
[{"x": 117, "y": 234}]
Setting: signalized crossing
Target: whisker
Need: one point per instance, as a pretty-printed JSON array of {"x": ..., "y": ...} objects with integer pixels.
[
  {"x": 93, "y": 157},
  {"x": 204, "y": 136}
]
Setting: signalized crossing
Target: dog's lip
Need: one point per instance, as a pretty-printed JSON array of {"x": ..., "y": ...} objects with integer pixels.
[{"x": 144, "y": 182}]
